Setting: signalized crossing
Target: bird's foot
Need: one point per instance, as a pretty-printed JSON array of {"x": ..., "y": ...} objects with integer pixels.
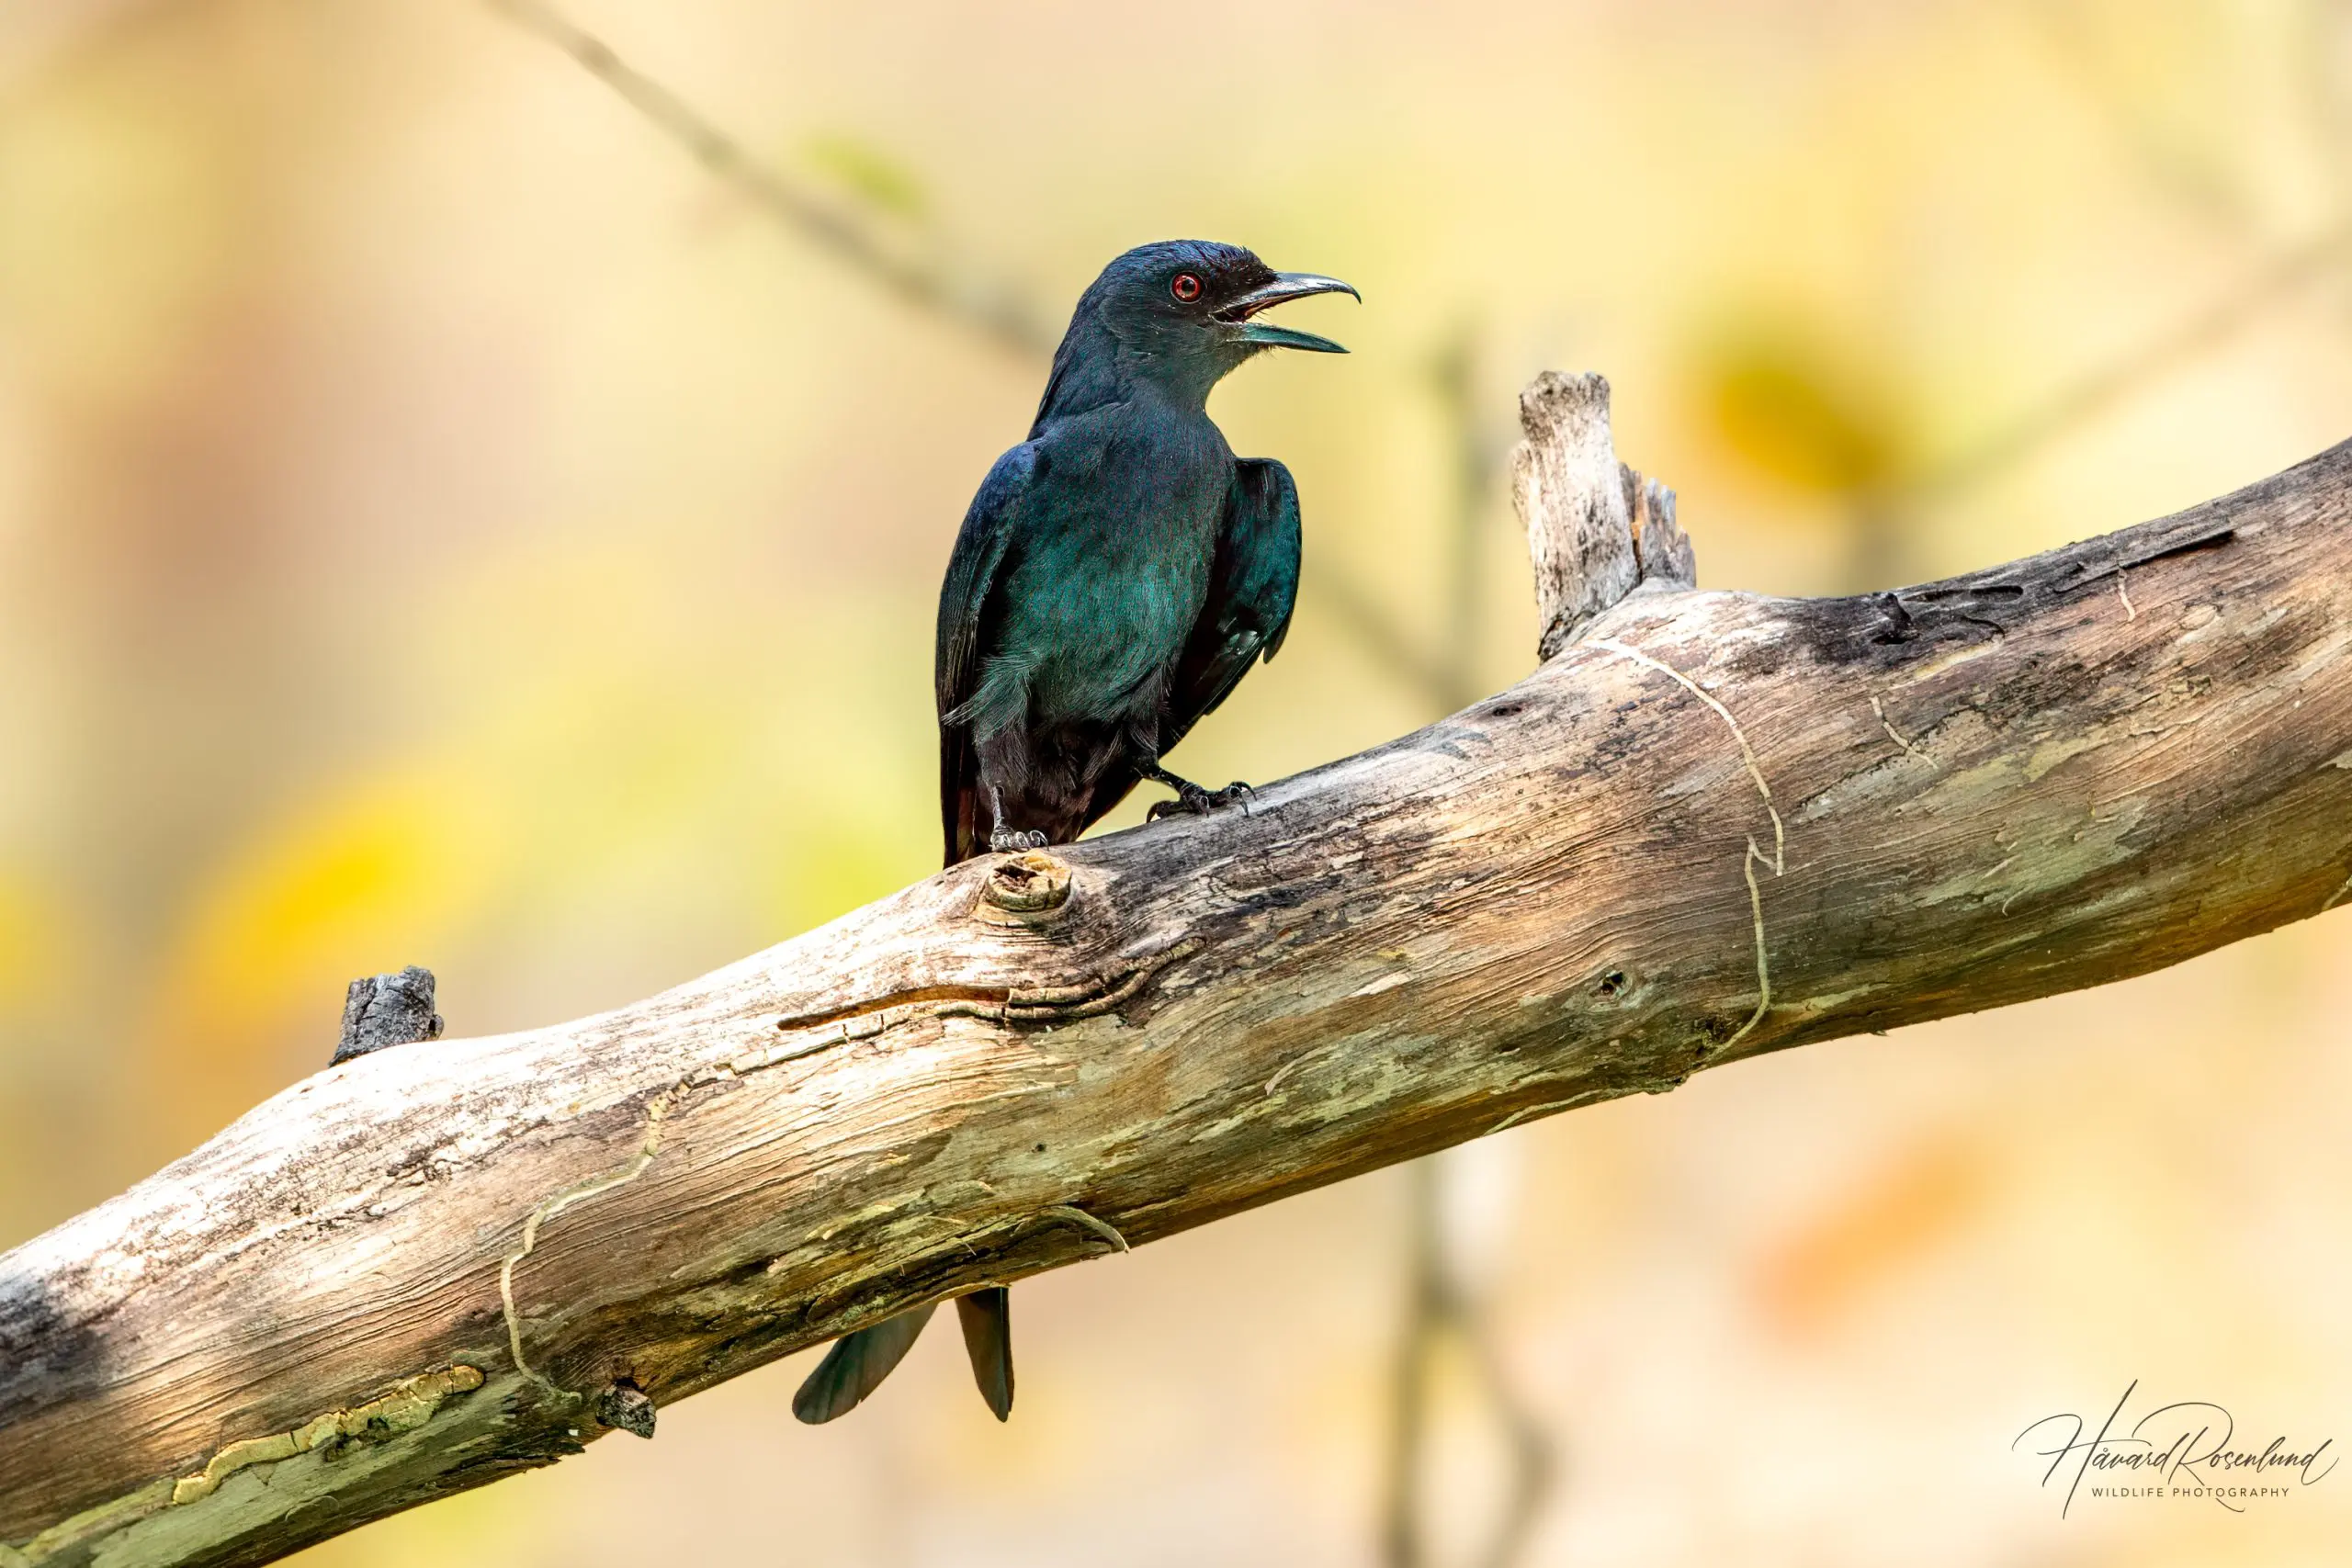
[
  {"x": 1006, "y": 840},
  {"x": 1192, "y": 800}
]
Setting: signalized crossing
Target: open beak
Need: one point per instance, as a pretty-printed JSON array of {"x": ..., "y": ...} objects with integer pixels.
[{"x": 1282, "y": 286}]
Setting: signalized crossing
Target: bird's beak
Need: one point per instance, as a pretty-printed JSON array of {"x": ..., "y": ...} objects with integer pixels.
[{"x": 1282, "y": 286}]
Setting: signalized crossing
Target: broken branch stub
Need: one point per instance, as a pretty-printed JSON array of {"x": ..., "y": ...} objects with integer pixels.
[
  {"x": 1596, "y": 529},
  {"x": 386, "y": 1009}
]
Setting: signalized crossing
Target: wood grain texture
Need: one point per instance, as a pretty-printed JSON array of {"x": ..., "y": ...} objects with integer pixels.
[{"x": 1712, "y": 826}]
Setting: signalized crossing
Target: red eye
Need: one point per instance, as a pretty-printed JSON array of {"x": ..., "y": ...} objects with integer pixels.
[{"x": 1186, "y": 287}]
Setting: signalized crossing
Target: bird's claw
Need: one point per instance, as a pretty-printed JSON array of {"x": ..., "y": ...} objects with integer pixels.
[
  {"x": 1005, "y": 841},
  {"x": 1192, "y": 800}
]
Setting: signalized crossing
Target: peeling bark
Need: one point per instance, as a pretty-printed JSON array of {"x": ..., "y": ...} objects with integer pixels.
[{"x": 1712, "y": 826}]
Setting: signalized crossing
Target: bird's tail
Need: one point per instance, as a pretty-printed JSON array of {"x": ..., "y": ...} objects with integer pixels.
[
  {"x": 986, "y": 1317},
  {"x": 858, "y": 1362}
]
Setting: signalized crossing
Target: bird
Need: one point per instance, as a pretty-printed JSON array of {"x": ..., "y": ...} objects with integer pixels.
[{"x": 1116, "y": 575}]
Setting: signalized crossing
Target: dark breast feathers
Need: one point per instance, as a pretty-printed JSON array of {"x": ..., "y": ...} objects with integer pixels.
[{"x": 1079, "y": 648}]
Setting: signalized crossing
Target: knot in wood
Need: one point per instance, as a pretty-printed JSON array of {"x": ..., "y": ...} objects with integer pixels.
[{"x": 1025, "y": 889}]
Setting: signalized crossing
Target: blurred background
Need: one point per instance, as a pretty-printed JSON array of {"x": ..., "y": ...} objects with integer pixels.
[{"x": 444, "y": 519}]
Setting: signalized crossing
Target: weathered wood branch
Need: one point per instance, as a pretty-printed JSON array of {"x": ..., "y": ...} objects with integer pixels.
[{"x": 1712, "y": 826}]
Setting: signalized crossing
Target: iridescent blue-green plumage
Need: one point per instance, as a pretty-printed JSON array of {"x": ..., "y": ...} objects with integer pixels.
[
  {"x": 1120, "y": 569},
  {"x": 1117, "y": 574}
]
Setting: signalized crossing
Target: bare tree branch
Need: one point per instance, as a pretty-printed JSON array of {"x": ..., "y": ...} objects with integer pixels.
[{"x": 1713, "y": 826}]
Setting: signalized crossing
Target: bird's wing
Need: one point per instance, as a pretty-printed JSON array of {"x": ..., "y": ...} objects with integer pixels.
[
  {"x": 965, "y": 622},
  {"x": 1253, "y": 585},
  {"x": 1251, "y": 588}
]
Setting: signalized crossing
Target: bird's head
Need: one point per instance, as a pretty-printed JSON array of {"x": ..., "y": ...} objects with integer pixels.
[{"x": 1186, "y": 312}]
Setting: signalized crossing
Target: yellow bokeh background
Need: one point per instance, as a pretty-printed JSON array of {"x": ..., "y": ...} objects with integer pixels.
[{"x": 441, "y": 523}]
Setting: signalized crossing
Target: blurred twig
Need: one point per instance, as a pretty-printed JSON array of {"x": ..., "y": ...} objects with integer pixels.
[
  {"x": 2176, "y": 162},
  {"x": 1883, "y": 515},
  {"x": 1409, "y": 1389},
  {"x": 2072, "y": 407},
  {"x": 2279, "y": 275},
  {"x": 938, "y": 282},
  {"x": 1473, "y": 458},
  {"x": 1384, "y": 638},
  {"x": 1436, "y": 1304}
]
